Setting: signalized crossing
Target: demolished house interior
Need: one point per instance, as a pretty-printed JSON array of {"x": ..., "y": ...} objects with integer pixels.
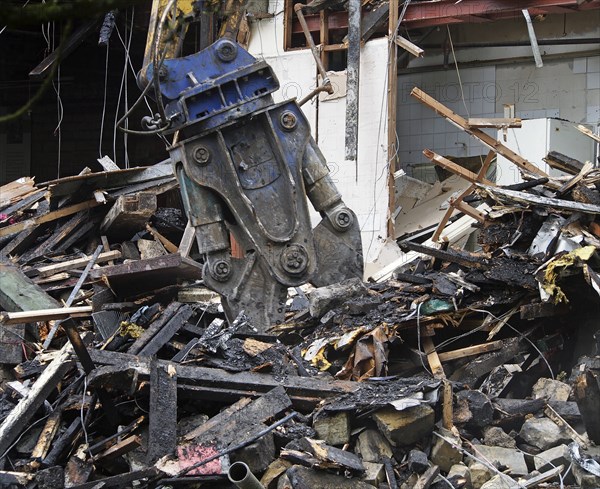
[{"x": 255, "y": 244}]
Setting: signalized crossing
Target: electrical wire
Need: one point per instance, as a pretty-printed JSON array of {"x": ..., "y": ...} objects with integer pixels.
[
  {"x": 462, "y": 93},
  {"x": 419, "y": 338},
  {"x": 522, "y": 336},
  {"x": 104, "y": 103},
  {"x": 85, "y": 433},
  {"x": 123, "y": 88},
  {"x": 156, "y": 66},
  {"x": 60, "y": 117}
]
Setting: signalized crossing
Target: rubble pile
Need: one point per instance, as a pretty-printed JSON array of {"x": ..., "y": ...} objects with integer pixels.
[{"x": 456, "y": 369}]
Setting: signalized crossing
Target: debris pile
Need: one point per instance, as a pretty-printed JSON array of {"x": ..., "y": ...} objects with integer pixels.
[{"x": 449, "y": 369}]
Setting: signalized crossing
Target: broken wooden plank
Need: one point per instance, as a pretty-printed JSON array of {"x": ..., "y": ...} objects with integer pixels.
[
  {"x": 531, "y": 199},
  {"x": 24, "y": 202},
  {"x": 44, "y": 314},
  {"x": 87, "y": 183},
  {"x": 486, "y": 139},
  {"x": 108, "y": 164},
  {"x": 453, "y": 232},
  {"x": 455, "y": 168},
  {"x": 162, "y": 432},
  {"x": 170, "y": 247},
  {"x": 470, "y": 351},
  {"x": 427, "y": 478},
  {"x": 50, "y": 244},
  {"x": 128, "y": 215},
  {"x": 165, "y": 316},
  {"x": 47, "y": 436},
  {"x": 543, "y": 310},
  {"x": 495, "y": 122},
  {"x": 564, "y": 163},
  {"x": 50, "y": 216},
  {"x": 121, "y": 448},
  {"x": 482, "y": 365},
  {"x": 17, "y": 419},
  {"x": 79, "y": 234},
  {"x": 433, "y": 359},
  {"x": 584, "y": 130},
  {"x": 462, "y": 258},
  {"x": 373, "y": 20},
  {"x": 15, "y": 190},
  {"x": 21, "y": 242},
  {"x": 409, "y": 46},
  {"x": 245, "y": 412},
  {"x": 48, "y": 270},
  {"x": 187, "y": 240},
  {"x": 167, "y": 331},
  {"x": 140, "y": 276}
]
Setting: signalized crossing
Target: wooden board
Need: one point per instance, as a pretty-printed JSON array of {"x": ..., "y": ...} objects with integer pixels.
[
  {"x": 50, "y": 216},
  {"x": 141, "y": 276},
  {"x": 48, "y": 270},
  {"x": 43, "y": 314},
  {"x": 216, "y": 384},
  {"x": 18, "y": 418}
]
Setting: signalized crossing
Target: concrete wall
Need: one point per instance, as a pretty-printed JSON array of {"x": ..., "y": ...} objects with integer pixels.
[{"x": 362, "y": 185}]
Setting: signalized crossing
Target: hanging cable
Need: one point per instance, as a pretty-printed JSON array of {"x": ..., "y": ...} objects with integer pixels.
[
  {"x": 462, "y": 92},
  {"x": 125, "y": 135},
  {"x": 123, "y": 89},
  {"x": 104, "y": 103}
]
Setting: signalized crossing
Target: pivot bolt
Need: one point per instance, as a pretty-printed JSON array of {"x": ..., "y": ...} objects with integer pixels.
[
  {"x": 201, "y": 155},
  {"x": 162, "y": 73},
  {"x": 294, "y": 259},
  {"x": 342, "y": 219},
  {"x": 226, "y": 50},
  {"x": 288, "y": 120},
  {"x": 221, "y": 270}
]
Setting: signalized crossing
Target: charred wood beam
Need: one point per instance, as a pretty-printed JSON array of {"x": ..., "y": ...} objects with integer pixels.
[
  {"x": 162, "y": 436},
  {"x": 167, "y": 331},
  {"x": 373, "y": 20},
  {"x": 352, "y": 80},
  {"x": 463, "y": 259},
  {"x": 215, "y": 384}
]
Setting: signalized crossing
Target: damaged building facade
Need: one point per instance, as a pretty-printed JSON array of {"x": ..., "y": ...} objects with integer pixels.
[{"x": 463, "y": 139}]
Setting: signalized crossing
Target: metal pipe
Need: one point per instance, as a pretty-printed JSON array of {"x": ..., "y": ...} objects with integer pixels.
[
  {"x": 240, "y": 475},
  {"x": 510, "y": 44},
  {"x": 298, "y": 9}
]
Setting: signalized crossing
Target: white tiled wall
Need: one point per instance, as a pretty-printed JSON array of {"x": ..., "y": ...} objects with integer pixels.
[
  {"x": 567, "y": 89},
  {"x": 420, "y": 127}
]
